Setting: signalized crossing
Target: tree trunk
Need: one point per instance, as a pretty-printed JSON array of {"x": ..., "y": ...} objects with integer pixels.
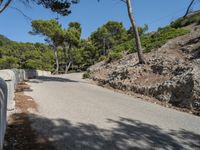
[
  {"x": 67, "y": 67},
  {"x": 136, "y": 33},
  {"x": 56, "y": 60},
  {"x": 68, "y": 60},
  {"x": 66, "y": 48},
  {"x": 104, "y": 46},
  {"x": 188, "y": 9}
]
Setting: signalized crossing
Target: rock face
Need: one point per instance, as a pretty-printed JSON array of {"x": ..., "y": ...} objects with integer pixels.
[{"x": 171, "y": 75}]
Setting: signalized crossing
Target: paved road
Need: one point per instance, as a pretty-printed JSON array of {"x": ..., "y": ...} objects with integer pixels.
[{"x": 74, "y": 114}]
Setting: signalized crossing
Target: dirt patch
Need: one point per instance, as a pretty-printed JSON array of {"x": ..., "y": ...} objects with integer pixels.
[
  {"x": 25, "y": 103},
  {"x": 19, "y": 134},
  {"x": 22, "y": 87}
]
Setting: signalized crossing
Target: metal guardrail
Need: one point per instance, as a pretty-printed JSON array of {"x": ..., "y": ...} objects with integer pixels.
[{"x": 9, "y": 79}]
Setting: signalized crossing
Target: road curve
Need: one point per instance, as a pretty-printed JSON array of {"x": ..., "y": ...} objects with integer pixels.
[{"x": 76, "y": 115}]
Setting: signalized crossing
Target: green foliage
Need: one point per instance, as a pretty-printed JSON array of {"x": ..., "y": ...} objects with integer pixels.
[
  {"x": 64, "y": 41},
  {"x": 54, "y": 35},
  {"x": 128, "y": 46},
  {"x": 4, "y": 40},
  {"x": 8, "y": 62},
  {"x": 102, "y": 58},
  {"x": 33, "y": 64},
  {"x": 77, "y": 56},
  {"x": 75, "y": 25},
  {"x": 109, "y": 35},
  {"x": 141, "y": 30},
  {"x": 59, "y": 6},
  {"x": 108, "y": 43},
  {"x": 114, "y": 56},
  {"x": 51, "y": 29},
  {"x": 151, "y": 40},
  {"x": 71, "y": 37},
  {"x": 70, "y": 44},
  {"x": 26, "y": 55},
  {"x": 182, "y": 22},
  {"x": 125, "y": 42},
  {"x": 86, "y": 75},
  {"x": 89, "y": 53},
  {"x": 155, "y": 40}
]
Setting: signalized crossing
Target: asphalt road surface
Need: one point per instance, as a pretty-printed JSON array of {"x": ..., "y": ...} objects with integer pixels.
[{"x": 76, "y": 115}]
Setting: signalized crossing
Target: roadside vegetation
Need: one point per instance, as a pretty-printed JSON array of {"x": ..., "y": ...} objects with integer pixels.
[
  {"x": 109, "y": 42},
  {"x": 184, "y": 21}
]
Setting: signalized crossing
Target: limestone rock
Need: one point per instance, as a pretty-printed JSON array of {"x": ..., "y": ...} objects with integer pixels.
[{"x": 172, "y": 72}]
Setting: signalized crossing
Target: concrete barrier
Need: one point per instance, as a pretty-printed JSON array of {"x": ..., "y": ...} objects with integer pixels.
[
  {"x": 19, "y": 74},
  {"x": 3, "y": 110},
  {"x": 9, "y": 77},
  {"x": 22, "y": 75},
  {"x": 17, "y": 78},
  {"x": 8, "y": 83},
  {"x": 43, "y": 73},
  {"x": 31, "y": 74}
]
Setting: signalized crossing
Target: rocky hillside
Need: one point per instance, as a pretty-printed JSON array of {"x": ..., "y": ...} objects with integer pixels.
[{"x": 171, "y": 75}]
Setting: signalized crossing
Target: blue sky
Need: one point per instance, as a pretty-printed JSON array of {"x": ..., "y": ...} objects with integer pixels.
[{"x": 91, "y": 15}]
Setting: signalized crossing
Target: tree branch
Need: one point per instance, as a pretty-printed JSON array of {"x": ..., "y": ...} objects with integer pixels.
[
  {"x": 21, "y": 12},
  {"x": 5, "y": 6},
  {"x": 124, "y": 1}
]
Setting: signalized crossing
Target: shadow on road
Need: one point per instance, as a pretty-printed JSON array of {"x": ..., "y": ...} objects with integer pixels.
[
  {"x": 21, "y": 136},
  {"x": 42, "y": 79},
  {"x": 127, "y": 134}
]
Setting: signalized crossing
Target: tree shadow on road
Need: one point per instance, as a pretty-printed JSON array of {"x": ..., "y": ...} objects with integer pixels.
[
  {"x": 42, "y": 79},
  {"x": 21, "y": 136},
  {"x": 127, "y": 134}
]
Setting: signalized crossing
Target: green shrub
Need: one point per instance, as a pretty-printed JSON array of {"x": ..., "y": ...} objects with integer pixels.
[
  {"x": 114, "y": 56},
  {"x": 149, "y": 41},
  {"x": 128, "y": 46},
  {"x": 86, "y": 75},
  {"x": 33, "y": 64},
  {"x": 182, "y": 22},
  {"x": 159, "y": 38},
  {"x": 102, "y": 58},
  {"x": 8, "y": 62}
]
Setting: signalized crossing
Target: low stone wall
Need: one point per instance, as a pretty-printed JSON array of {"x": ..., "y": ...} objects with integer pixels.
[{"x": 9, "y": 79}]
